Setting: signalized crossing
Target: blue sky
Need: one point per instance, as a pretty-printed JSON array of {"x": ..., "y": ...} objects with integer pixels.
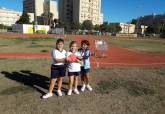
[{"x": 114, "y": 10}]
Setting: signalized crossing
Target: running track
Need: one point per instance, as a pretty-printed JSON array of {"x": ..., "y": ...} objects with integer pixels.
[{"x": 118, "y": 57}]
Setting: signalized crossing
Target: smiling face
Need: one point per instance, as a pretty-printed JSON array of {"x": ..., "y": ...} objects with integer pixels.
[
  {"x": 73, "y": 47},
  {"x": 84, "y": 46},
  {"x": 60, "y": 46}
]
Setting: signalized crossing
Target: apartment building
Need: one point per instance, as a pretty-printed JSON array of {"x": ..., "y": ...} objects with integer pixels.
[
  {"x": 51, "y": 6},
  {"x": 33, "y": 6},
  {"x": 81, "y": 10},
  {"x": 126, "y": 28},
  {"x": 8, "y": 17}
]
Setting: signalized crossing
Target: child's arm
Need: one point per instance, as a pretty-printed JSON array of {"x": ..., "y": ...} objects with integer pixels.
[
  {"x": 60, "y": 60},
  {"x": 55, "y": 58},
  {"x": 79, "y": 57}
]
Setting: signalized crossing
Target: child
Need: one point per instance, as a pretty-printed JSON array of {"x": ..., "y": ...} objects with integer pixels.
[
  {"x": 58, "y": 68},
  {"x": 85, "y": 68},
  {"x": 73, "y": 59}
]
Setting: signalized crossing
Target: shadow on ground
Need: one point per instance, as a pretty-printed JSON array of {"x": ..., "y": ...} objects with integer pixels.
[{"x": 28, "y": 79}]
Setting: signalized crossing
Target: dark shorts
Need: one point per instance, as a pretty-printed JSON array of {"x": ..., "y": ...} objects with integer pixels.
[
  {"x": 73, "y": 73},
  {"x": 58, "y": 71},
  {"x": 84, "y": 70}
]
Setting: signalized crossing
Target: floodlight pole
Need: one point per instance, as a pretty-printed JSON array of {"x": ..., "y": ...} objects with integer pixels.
[{"x": 35, "y": 17}]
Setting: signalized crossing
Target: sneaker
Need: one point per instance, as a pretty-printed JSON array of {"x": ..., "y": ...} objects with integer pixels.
[
  {"x": 89, "y": 87},
  {"x": 59, "y": 93},
  {"x": 47, "y": 95},
  {"x": 69, "y": 92},
  {"x": 76, "y": 91},
  {"x": 83, "y": 88}
]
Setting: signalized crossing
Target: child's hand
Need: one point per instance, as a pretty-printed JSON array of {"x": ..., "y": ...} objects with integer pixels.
[
  {"x": 79, "y": 61},
  {"x": 79, "y": 57}
]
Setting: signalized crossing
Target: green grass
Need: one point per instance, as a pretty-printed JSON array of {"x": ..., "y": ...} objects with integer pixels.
[
  {"x": 142, "y": 45},
  {"x": 46, "y": 44},
  {"x": 28, "y": 44},
  {"x": 120, "y": 91}
]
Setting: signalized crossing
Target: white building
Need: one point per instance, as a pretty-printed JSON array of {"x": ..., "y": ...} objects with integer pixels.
[
  {"x": 52, "y": 6},
  {"x": 8, "y": 17},
  {"x": 81, "y": 10},
  {"x": 33, "y": 6},
  {"x": 126, "y": 28},
  {"x": 39, "y": 7}
]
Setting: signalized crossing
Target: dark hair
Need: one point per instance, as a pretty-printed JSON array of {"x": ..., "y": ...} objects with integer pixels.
[
  {"x": 71, "y": 43},
  {"x": 59, "y": 40},
  {"x": 85, "y": 42}
]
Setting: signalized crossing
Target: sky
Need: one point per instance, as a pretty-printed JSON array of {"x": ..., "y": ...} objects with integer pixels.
[{"x": 113, "y": 10}]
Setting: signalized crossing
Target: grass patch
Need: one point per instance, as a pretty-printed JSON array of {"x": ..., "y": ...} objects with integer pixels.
[
  {"x": 105, "y": 87},
  {"x": 16, "y": 90},
  {"x": 142, "y": 45},
  {"x": 126, "y": 91},
  {"x": 134, "y": 88},
  {"x": 29, "y": 44}
]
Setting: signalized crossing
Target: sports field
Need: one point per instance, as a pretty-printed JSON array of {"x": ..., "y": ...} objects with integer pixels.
[{"x": 118, "y": 88}]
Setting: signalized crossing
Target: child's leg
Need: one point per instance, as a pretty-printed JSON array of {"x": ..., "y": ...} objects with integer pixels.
[
  {"x": 59, "y": 83},
  {"x": 87, "y": 81},
  {"x": 71, "y": 80},
  {"x": 87, "y": 77},
  {"x": 52, "y": 84},
  {"x": 75, "y": 85},
  {"x": 82, "y": 78},
  {"x": 75, "y": 81}
]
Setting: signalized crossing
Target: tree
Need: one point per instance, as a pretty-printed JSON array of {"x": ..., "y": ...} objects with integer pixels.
[
  {"x": 162, "y": 31},
  {"x": 75, "y": 26},
  {"x": 114, "y": 28},
  {"x": 48, "y": 17},
  {"x": 56, "y": 22},
  {"x": 24, "y": 19},
  {"x": 97, "y": 27},
  {"x": 118, "y": 29},
  {"x": 3, "y": 26},
  {"x": 104, "y": 27},
  {"x": 87, "y": 24},
  {"x": 153, "y": 29},
  {"x": 134, "y": 21}
]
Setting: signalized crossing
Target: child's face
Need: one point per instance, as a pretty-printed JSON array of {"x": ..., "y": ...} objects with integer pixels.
[
  {"x": 84, "y": 46},
  {"x": 60, "y": 46},
  {"x": 73, "y": 47}
]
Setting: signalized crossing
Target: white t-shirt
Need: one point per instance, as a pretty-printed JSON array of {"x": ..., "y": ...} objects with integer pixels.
[
  {"x": 56, "y": 54},
  {"x": 73, "y": 66}
]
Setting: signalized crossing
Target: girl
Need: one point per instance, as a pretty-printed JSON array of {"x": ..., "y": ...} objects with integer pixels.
[
  {"x": 85, "y": 68},
  {"x": 73, "y": 59},
  {"x": 58, "y": 68}
]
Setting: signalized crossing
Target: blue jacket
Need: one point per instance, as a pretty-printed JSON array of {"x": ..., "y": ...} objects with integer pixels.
[{"x": 85, "y": 55}]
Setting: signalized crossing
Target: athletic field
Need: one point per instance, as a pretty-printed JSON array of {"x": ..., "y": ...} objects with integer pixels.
[{"x": 130, "y": 80}]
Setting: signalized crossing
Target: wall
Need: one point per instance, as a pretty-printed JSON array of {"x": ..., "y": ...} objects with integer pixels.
[{"x": 28, "y": 29}]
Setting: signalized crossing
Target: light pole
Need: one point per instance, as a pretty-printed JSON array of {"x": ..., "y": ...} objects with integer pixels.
[{"x": 35, "y": 17}]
